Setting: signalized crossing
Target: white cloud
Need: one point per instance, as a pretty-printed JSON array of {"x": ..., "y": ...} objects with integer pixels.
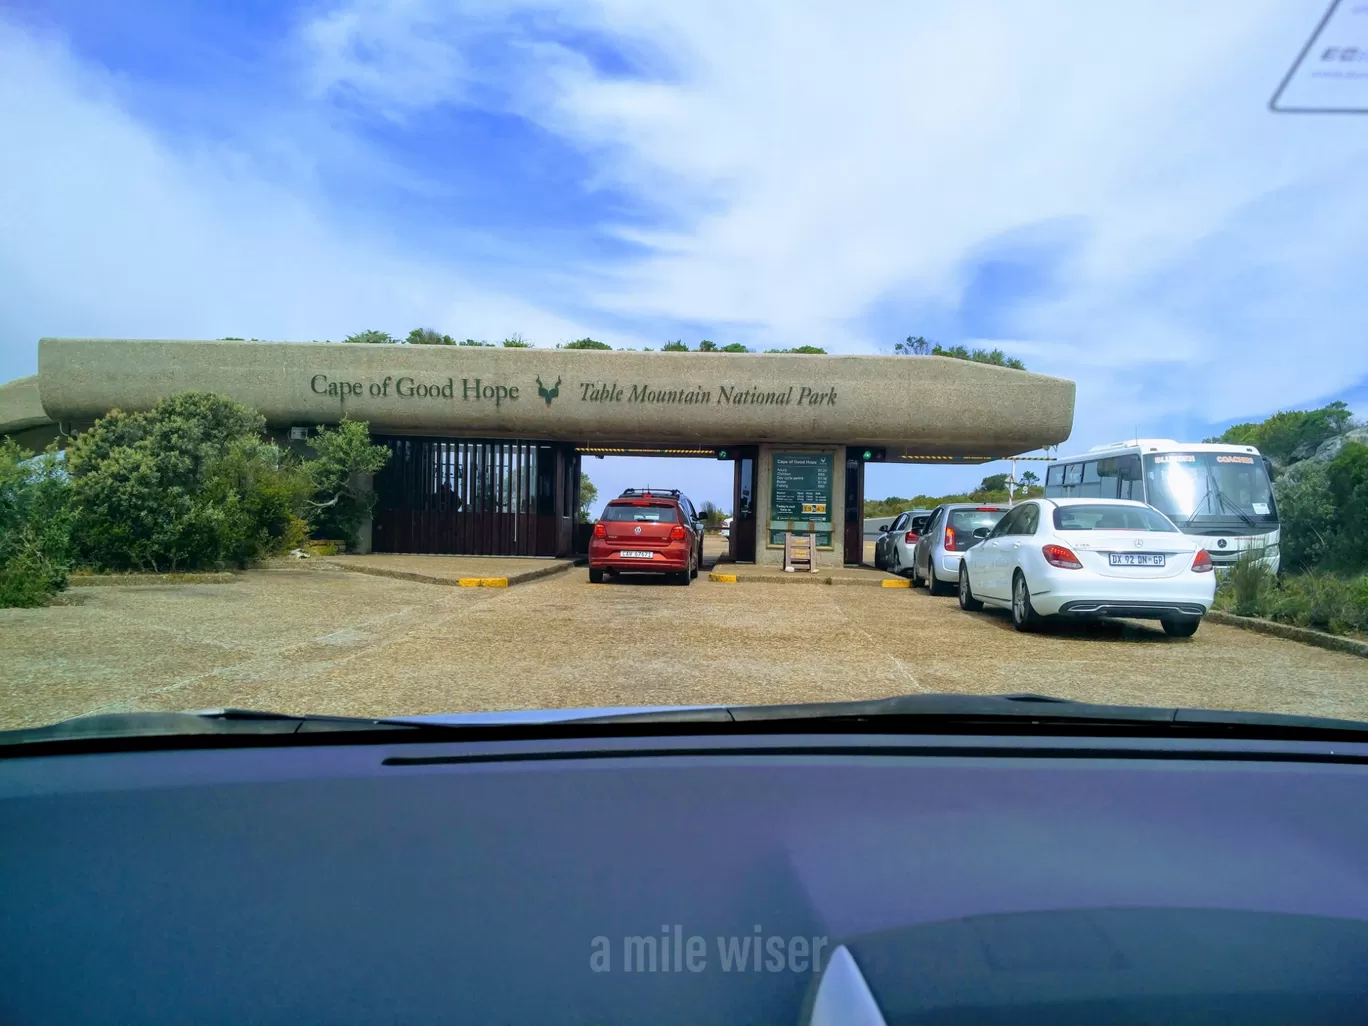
[
  {"x": 807, "y": 163},
  {"x": 106, "y": 229},
  {"x": 815, "y": 159}
]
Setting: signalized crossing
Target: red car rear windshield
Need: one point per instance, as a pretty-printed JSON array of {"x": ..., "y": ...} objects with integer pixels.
[{"x": 654, "y": 513}]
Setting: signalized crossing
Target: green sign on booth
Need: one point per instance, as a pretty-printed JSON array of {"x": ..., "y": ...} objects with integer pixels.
[{"x": 800, "y": 493}]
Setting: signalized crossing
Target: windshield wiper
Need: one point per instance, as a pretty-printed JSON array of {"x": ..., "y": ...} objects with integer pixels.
[
  {"x": 1231, "y": 504},
  {"x": 1014, "y": 714},
  {"x": 1214, "y": 489},
  {"x": 248, "y": 722}
]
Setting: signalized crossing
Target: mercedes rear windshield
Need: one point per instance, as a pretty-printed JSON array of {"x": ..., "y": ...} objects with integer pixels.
[{"x": 1110, "y": 518}]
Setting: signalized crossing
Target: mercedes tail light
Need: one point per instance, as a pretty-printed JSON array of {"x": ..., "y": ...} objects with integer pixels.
[
  {"x": 1201, "y": 563},
  {"x": 1062, "y": 557},
  {"x": 677, "y": 533},
  {"x": 600, "y": 531}
]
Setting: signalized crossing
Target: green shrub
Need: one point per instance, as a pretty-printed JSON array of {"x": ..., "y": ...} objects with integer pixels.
[
  {"x": 1322, "y": 601},
  {"x": 1249, "y": 583},
  {"x": 190, "y": 484},
  {"x": 35, "y": 525},
  {"x": 1307, "y": 513}
]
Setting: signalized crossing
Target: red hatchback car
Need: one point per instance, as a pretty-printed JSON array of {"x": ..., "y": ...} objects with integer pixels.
[{"x": 651, "y": 532}]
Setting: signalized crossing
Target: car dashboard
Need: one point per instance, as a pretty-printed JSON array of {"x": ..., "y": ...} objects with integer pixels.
[{"x": 690, "y": 879}]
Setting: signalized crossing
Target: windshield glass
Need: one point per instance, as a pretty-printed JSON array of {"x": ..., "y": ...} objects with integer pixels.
[
  {"x": 1110, "y": 518},
  {"x": 1206, "y": 484},
  {"x": 667, "y": 299},
  {"x": 661, "y": 514}
]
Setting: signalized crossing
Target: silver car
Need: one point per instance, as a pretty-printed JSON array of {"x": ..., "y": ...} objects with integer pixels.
[
  {"x": 948, "y": 535},
  {"x": 893, "y": 550}
]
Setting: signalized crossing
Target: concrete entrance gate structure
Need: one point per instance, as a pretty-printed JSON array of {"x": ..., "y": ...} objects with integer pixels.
[{"x": 918, "y": 409}]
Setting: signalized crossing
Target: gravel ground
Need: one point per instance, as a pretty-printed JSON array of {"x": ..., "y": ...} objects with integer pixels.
[{"x": 306, "y": 641}]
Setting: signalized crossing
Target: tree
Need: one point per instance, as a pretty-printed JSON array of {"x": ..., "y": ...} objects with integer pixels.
[
  {"x": 429, "y": 337},
  {"x": 340, "y": 501},
  {"x": 1029, "y": 479},
  {"x": 707, "y": 346},
  {"x": 584, "y": 343},
  {"x": 473, "y": 342},
  {"x": 734, "y": 347},
  {"x": 677, "y": 346},
  {"x": 588, "y": 496},
  {"x": 1347, "y": 481},
  {"x": 993, "y": 483},
  {"x": 917, "y": 346},
  {"x": 370, "y": 337},
  {"x": 1291, "y": 435},
  {"x": 712, "y": 516},
  {"x": 35, "y": 525},
  {"x": 516, "y": 341},
  {"x": 995, "y": 357},
  {"x": 809, "y": 350}
]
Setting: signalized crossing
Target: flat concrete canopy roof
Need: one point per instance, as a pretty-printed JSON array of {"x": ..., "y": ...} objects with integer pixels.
[{"x": 914, "y": 406}]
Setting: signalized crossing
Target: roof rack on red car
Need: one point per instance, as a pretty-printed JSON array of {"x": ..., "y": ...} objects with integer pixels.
[{"x": 671, "y": 492}]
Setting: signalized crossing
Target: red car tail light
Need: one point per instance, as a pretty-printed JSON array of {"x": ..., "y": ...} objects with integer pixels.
[
  {"x": 910, "y": 537},
  {"x": 676, "y": 533},
  {"x": 1058, "y": 555},
  {"x": 1201, "y": 563},
  {"x": 600, "y": 531}
]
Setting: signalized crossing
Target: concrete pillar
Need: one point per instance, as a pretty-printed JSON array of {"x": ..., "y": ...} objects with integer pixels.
[{"x": 829, "y": 555}]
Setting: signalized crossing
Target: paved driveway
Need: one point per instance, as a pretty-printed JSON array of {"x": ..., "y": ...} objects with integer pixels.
[{"x": 338, "y": 642}]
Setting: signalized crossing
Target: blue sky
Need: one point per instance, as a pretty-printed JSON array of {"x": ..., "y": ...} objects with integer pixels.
[{"x": 1097, "y": 189}]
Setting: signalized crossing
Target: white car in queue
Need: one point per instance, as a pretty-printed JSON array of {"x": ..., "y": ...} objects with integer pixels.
[{"x": 1089, "y": 558}]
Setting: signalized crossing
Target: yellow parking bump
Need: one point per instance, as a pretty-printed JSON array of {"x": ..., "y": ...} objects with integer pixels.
[
  {"x": 724, "y": 578},
  {"x": 896, "y": 584},
  {"x": 482, "y": 582}
]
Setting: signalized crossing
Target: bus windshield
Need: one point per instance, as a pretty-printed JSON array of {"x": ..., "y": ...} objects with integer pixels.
[{"x": 1202, "y": 485}]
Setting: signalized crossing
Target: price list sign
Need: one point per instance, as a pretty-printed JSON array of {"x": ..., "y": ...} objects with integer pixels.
[{"x": 801, "y": 486}]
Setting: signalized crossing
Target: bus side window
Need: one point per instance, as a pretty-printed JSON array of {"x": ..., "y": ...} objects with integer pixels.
[
  {"x": 1073, "y": 477},
  {"x": 1128, "y": 476},
  {"x": 1054, "y": 482},
  {"x": 1114, "y": 480},
  {"x": 1091, "y": 485}
]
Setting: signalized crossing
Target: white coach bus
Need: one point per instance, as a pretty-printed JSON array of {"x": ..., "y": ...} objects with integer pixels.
[{"x": 1221, "y": 493}]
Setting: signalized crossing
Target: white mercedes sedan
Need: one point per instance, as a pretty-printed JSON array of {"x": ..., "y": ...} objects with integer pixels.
[{"x": 1089, "y": 558}]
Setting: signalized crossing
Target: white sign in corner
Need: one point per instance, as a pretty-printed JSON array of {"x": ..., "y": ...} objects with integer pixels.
[{"x": 1331, "y": 75}]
